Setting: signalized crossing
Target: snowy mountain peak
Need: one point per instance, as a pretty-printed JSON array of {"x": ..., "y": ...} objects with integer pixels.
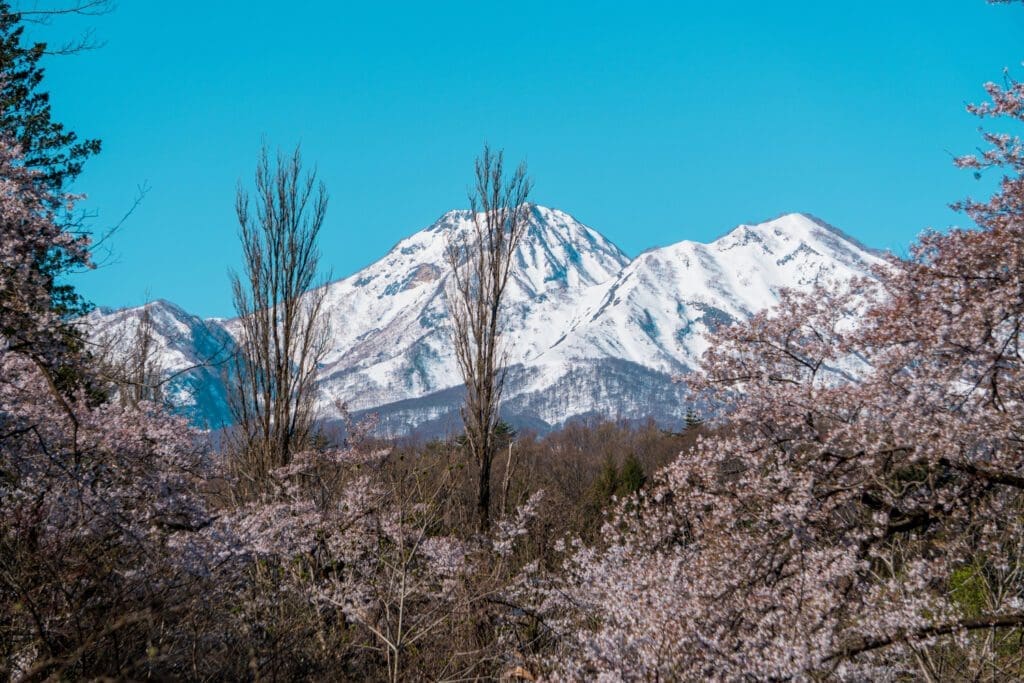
[
  {"x": 166, "y": 318},
  {"x": 189, "y": 352},
  {"x": 390, "y": 340},
  {"x": 557, "y": 251},
  {"x": 794, "y": 231}
]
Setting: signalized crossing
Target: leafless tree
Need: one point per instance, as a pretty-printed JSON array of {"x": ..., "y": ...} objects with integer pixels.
[
  {"x": 481, "y": 261},
  {"x": 135, "y": 369},
  {"x": 283, "y": 321},
  {"x": 37, "y": 10},
  {"x": 43, "y": 12}
]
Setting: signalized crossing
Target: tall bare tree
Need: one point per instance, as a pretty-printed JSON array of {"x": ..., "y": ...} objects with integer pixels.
[
  {"x": 282, "y": 316},
  {"x": 481, "y": 261}
]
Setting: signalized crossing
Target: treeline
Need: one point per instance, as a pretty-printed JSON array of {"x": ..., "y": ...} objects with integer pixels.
[{"x": 581, "y": 470}]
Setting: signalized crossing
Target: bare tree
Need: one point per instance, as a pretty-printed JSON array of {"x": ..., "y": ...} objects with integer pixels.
[
  {"x": 480, "y": 261},
  {"x": 283, "y": 321},
  {"x": 133, "y": 365},
  {"x": 43, "y": 12}
]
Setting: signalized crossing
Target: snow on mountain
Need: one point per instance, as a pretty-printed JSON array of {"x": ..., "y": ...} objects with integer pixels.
[
  {"x": 588, "y": 331},
  {"x": 189, "y": 352},
  {"x": 658, "y": 310},
  {"x": 390, "y": 340}
]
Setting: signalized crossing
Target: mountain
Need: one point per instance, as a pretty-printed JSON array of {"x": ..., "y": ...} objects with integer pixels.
[
  {"x": 659, "y": 308},
  {"x": 389, "y": 336},
  {"x": 588, "y": 331},
  {"x": 190, "y": 353}
]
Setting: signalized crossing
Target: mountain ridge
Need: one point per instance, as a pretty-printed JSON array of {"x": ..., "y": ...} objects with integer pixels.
[{"x": 588, "y": 330}]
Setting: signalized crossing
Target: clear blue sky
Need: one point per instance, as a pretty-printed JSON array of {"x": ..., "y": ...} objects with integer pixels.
[{"x": 652, "y": 122}]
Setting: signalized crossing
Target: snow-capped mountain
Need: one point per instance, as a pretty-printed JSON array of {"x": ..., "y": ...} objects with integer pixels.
[
  {"x": 587, "y": 330},
  {"x": 390, "y": 339}
]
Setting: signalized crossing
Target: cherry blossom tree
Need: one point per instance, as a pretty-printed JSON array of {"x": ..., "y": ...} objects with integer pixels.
[
  {"x": 856, "y": 514},
  {"x": 90, "y": 493},
  {"x": 343, "y": 567}
]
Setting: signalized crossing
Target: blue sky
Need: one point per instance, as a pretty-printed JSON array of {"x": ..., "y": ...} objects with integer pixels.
[{"x": 651, "y": 122}]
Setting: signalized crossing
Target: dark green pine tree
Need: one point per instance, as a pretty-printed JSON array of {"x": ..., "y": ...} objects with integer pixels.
[
  {"x": 692, "y": 419},
  {"x": 55, "y": 152}
]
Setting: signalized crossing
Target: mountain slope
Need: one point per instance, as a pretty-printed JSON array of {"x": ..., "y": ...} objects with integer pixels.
[
  {"x": 189, "y": 352},
  {"x": 630, "y": 335},
  {"x": 657, "y": 311}
]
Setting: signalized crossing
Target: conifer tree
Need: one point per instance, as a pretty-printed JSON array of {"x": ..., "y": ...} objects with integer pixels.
[
  {"x": 54, "y": 157},
  {"x": 55, "y": 153},
  {"x": 632, "y": 476}
]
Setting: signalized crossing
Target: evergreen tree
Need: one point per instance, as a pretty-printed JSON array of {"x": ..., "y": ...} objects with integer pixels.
[
  {"x": 57, "y": 154},
  {"x": 54, "y": 156},
  {"x": 607, "y": 483},
  {"x": 692, "y": 419},
  {"x": 503, "y": 434}
]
